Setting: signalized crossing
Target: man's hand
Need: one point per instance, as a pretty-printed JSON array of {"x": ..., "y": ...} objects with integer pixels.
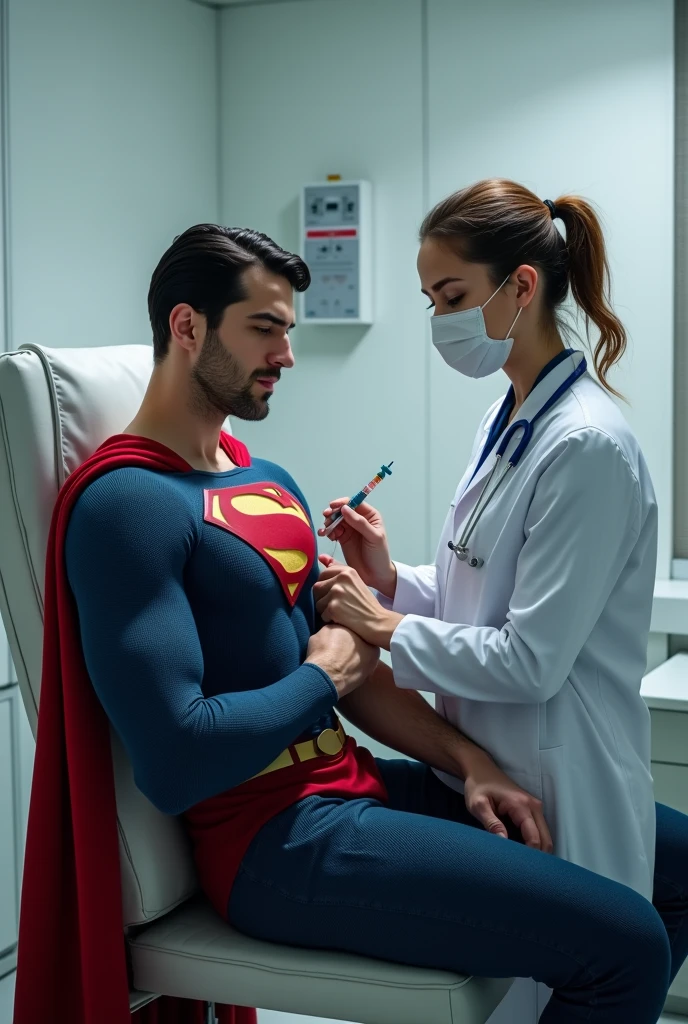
[
  {"x": 346, "y": 658},
  {"x": 491, "y": 795}
]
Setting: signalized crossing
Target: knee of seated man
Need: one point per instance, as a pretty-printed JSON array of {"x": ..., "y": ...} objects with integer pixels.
[{"x": 635, "y": 937}]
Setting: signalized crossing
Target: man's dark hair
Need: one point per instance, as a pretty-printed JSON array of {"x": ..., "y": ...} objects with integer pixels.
[{"x": 204, "y": 267}]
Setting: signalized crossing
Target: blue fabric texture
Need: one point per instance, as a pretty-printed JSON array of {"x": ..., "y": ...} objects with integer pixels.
[
  {"x": 196, "y": 613},
  {"x": 670, "y": 894},
  {"x": 420, "y": 882}
]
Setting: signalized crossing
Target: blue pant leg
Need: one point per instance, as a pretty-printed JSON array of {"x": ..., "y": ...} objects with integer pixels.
[
  {"x": 670, "y": 895},
  {"x": 414, "y": 787},
  {"x": 360, "y": 877}
]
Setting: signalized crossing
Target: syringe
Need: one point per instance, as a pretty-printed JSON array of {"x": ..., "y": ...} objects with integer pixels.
[{"x": 358, "y": 498}]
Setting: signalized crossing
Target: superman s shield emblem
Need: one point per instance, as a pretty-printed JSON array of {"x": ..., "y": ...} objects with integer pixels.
[{"x": 273, "y": 522}]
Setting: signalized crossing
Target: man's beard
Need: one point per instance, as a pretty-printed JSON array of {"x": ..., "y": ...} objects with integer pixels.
[{"x": 219, "y": 385}]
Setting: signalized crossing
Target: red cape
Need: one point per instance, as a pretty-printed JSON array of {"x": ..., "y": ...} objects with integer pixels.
[{"x": 71, "y": 961}]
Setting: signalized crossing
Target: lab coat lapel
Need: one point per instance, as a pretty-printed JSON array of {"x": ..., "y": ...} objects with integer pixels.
[
  {"x": 475, "y": 485},
  {"x": 469, "y": 489},
  {"x": 470, "y": 486}
]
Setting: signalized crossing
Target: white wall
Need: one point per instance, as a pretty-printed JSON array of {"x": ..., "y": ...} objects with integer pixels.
[
  {"x": 113, "y": 151},
  {"x": 560, "y": 96},
  {"x": 336, "y": 87}
]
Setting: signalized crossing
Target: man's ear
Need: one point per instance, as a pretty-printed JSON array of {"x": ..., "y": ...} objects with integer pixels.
[{"x": 187, "y": 327}]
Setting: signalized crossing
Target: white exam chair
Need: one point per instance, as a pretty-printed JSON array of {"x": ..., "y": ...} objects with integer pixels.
[{"x": 56, "y": 407}]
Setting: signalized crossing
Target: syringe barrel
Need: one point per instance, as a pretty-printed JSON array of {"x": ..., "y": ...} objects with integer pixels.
[{"x": 358, "y": 498}]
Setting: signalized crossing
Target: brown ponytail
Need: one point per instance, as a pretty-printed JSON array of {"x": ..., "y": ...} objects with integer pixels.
[
  {"x": 503, "y": 225},
  {"x": 589, "y": 278}
]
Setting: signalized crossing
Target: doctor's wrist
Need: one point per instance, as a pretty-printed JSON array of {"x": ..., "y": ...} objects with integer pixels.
[
  {"x": 386, "y": 582},
  {"x": 382, "y": 628},
  {"x": 469, "y": 758}
]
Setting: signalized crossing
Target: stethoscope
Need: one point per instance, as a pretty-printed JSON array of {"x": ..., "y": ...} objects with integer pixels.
[{"x": 489, "y": 490}]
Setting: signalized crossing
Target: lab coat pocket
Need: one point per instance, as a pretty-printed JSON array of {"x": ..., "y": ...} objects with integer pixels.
[{"x": 554, "y": 801}]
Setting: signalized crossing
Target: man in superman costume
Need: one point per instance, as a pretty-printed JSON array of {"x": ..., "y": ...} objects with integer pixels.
[{"x": 179, "y": 609}]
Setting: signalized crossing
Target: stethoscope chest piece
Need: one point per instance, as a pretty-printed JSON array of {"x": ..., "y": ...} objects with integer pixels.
[{"x": 463, "y": 556}]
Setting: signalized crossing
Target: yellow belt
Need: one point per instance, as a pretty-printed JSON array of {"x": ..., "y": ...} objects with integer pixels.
[{"x": 326, "y": 743}]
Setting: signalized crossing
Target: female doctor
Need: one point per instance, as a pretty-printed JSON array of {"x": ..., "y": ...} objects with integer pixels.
[{"x": 531, "y": 626}]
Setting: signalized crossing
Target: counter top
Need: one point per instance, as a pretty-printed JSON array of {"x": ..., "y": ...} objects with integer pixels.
[
  {"x": 670, "y": 607},
  {"x": 666, "y": 688}
]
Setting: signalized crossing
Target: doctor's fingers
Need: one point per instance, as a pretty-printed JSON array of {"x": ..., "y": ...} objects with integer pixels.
[
  {"x": 341, "y": 532},
  {"x": 337, "y": 571},
  {"x": 325, "y": 591},
  {"x": 482, "y": 808},
  {"x": 334, "y": 505},
  {"x": 330, "y": 609},
  {"x": 365, "y": 520},
  {"x": 527, "y": 815},
  {"x": 547, "y": 844},
  {"x": 530, "y": 833},
  {"x": 334, "y": 607},
  {"x": 321, "y": 591},
  {"x": 322, "y": 587},
  {"x": 367, "y": 512}
]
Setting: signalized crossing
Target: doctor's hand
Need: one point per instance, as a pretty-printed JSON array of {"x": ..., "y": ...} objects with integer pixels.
[
  {"x": 347, "y": 659},
  {"x": 361, "y": 533},
  {"x": 341, "y": 596},
  {"x": 491, "y": 796}
]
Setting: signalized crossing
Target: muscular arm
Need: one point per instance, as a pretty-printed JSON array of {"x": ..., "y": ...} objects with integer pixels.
[
  {"x": 125, "y": 553},
  {"x": 404, "y": 721}
]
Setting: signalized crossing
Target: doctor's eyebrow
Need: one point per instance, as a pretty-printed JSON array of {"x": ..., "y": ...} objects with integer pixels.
[
  {"x": 440, "y": 284},
  {"x": 277, "y": 320}
]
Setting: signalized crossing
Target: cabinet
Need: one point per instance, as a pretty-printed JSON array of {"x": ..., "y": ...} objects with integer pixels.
[{"x": 666, "y": 693}]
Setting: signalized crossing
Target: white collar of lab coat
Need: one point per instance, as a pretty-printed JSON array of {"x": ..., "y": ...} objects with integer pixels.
[
  {"x": 547, "y": 386},
  {"x": 530, "y": 408}
]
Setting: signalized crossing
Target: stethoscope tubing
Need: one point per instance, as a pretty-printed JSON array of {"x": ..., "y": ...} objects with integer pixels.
[{"x": 460, "y": 549}]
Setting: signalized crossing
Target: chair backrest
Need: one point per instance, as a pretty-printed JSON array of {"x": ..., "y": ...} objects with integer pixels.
[{"x": 56, "y": 407}]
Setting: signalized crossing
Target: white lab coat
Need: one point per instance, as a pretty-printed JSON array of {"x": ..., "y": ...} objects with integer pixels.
[{"x": 538, "y": 656}]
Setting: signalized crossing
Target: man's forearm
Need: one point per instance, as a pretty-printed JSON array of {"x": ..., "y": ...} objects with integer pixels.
[{"x": 403, "y": 720}]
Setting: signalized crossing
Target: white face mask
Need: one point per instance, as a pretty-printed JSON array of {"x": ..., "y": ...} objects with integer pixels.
[{"x": 461, "y": 339}]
